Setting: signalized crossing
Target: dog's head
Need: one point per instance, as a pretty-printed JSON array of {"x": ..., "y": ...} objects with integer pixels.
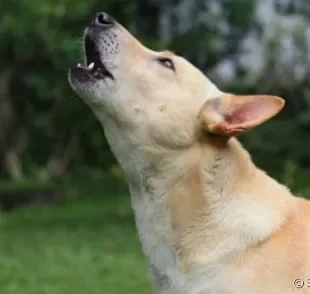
[{"x": 158, "y": 96}]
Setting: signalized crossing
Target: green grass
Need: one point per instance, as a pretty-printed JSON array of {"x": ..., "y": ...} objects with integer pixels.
[{"x": 85, "y": 248}]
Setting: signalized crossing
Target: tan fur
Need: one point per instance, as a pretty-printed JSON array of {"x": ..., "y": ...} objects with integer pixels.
[{"x": 209, "y": 221}]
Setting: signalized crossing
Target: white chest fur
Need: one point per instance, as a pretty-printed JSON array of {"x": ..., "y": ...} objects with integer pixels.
[
  {"x": 166, "y": 277},
  {"x": 153, "y": 227}
]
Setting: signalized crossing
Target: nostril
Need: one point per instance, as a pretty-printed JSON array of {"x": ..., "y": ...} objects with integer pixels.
[{"x": 103, "y": 19}]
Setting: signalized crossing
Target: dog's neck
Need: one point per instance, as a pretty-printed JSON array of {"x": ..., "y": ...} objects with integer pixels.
[{"x": 208, "y": 200}]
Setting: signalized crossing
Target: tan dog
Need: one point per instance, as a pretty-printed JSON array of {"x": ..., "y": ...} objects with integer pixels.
[{"x": 210, "y": 222}]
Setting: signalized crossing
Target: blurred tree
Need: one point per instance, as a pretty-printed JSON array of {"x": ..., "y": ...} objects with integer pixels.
[{"x": 40, "y": 125}]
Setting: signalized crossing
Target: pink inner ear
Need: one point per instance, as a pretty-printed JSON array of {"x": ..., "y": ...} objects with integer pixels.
[{"x": 249, "y": 111}]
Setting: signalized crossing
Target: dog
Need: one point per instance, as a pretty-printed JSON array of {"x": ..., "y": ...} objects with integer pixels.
[{"x": 209, "y": 220}]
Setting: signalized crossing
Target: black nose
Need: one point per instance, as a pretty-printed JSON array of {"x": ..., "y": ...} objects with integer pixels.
[{"x": 103, "y": 20}]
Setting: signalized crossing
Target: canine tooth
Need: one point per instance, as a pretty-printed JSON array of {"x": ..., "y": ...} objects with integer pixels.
[{"x": 91, "y": 66}]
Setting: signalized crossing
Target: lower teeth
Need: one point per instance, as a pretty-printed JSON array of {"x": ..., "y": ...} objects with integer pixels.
[
  {"x": 90, "y": 66},
  {"x": 97, "y": 72}
]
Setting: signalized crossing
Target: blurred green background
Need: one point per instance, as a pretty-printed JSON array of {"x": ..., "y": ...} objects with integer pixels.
[{"x": 65, "y": 224}]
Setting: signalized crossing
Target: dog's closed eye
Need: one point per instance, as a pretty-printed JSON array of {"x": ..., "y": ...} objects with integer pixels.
[{"x": 166, "y": 62}]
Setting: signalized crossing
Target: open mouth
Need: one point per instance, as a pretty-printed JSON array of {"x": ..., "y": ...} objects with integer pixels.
[{"x": 94, "y": 66}]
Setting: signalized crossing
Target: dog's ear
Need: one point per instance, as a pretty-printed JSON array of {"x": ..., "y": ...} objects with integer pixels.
[{"x": 230, "y": 115}]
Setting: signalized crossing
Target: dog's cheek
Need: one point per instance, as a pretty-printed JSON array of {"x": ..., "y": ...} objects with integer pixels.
[{"x": 172, "y": 132}]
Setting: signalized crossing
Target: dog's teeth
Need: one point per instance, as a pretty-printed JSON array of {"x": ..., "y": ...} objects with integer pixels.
[
  {"x": 79, "y": 65},
  {"x": 91, "y": 66}
]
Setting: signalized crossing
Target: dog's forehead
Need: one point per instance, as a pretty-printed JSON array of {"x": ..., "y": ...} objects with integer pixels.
[
  {"x": 194, "y": 76},
  {"x": 169, "y": 53}
]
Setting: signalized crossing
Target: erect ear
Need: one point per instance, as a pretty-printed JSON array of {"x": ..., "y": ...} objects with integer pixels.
[{"x": 230, "y": 115}]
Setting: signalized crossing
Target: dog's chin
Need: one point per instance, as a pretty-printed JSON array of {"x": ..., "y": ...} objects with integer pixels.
[
  {"x": 90, "y": 90},
  {"x": 81, "y": 81},
  {"x": 86, "y": 84}
]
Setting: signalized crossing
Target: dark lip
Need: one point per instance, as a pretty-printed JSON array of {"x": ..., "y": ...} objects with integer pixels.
[
  {"x": 92, "y": 55},
  {"x": 82, "y": 74}
]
